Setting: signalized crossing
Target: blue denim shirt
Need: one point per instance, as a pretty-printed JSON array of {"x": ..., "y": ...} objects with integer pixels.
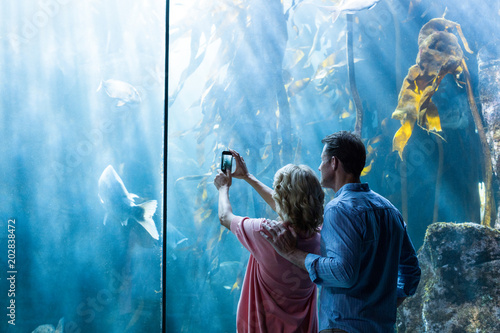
[{"x": 367, "y": 261}]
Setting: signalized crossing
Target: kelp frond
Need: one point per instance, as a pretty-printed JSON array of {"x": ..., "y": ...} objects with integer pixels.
[{"x": 439, "y": 54}]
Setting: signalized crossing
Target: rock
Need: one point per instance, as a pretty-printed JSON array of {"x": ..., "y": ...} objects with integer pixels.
[{"x": 459, "y": 289}]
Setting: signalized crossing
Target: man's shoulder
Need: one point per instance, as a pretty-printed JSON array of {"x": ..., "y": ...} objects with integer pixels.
[
  {"x": 381, "y": 199},
  {"x": 339, "y": 206},
  {"x": 332, "y": 204},
  {"x": 362, "y": 200}
]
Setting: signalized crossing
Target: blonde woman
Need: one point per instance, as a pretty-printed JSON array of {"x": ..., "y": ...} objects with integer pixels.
[{"x": 276, "y": 295}]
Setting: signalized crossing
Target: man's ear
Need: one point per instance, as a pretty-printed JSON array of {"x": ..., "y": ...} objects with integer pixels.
[{"x": 334, "y": 163}]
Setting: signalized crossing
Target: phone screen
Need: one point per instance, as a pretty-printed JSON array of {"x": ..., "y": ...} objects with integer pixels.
[{"x": 226, "y": 161}]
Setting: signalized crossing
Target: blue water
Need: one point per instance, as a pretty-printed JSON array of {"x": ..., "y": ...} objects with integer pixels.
[
  {"x": 230, "y": 68},
  {"x": 58, "y": 134},
  {"x": 228, "y": 64}
]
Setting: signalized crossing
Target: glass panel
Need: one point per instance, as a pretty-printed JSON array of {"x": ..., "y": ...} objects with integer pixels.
[
  {"x": 270, "y": 79},
  {"x": 81, "y": 130}
]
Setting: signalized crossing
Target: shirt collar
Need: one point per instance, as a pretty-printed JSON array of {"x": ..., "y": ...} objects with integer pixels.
[{"x": 355, "y": 187}]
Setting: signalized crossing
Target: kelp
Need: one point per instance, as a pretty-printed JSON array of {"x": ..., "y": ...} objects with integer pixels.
[
  {"x": 489, "y": 208},
  {"x": 325, "y": 16},
  {"x": 352, "y": 80},
  {"x": 439, "y": 54}
]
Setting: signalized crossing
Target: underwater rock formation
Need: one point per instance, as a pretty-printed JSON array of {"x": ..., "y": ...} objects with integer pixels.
[{"x": 460, "y": 286}]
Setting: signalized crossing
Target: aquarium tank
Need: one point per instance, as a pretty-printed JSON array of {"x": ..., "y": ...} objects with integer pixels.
[
  {"x": 82, "y": 130},
  {"x": 114, "y": 116}
]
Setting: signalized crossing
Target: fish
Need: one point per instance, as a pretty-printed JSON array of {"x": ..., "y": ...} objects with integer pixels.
[
  {"x": 345, "y": 6},
  {"x": 49, "y": 328},
  {"x": 352, "y": 6},
  {"x": 137, "y": 314},
  {"x": 327, "y": 67},
  {"x": 44, "y": 329},
  {"x": 120, "y": 204},
  {"x": 296, "y": 56},
  {"x": 297, "y": 86},
  {"x": 236, "y": 285},
  {"x": 348, "y": 7},
  {"x": 174, "y": 236},
  {"x": 228, "y": 270},
  {"x": 123, "y": 92}
]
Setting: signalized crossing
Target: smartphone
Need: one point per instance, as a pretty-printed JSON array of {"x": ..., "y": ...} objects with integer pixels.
[{"x": 226, "y": 161}]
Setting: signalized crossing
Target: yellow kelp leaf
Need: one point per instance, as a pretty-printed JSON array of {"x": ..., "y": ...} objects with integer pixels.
[
  {"x": 298, "y": 55},
  {"x": 201, "y": 214},
  {"x": 399, "y": 114},
  {"x": 345, "y": 114},
  {"x": 378, "y": 137},
  {"x": 297, "y": 86},
  {"x": 433, "y": 123},
  {"x": 329, "y": 61},
  {"x": 402, "y": 136},
  {"x": 323, "y": 89},
  {"x": 427, "y": 93},
  {"x": 235, "y": 286},
  {"x": 197, "y": 215},
  {"x": 221, "y": 232},
  {"x": 207, "y": 214},
  {"x": 325, "y": 67},
  {"x": 367, "y": 169},
  {"x": 462, "y": 37},
  {"x": 266, "y": 151}
]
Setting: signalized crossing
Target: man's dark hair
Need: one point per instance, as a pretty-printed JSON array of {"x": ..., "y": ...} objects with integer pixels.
[{"x": 348, "y": 148}]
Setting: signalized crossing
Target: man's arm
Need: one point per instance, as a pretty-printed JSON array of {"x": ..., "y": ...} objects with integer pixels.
[
  {"x": 409, "y": 269},
  {"x": 340, "y": 262},
  {"x": 284, "y": 241},
  {"x": 340, "y": 270}
]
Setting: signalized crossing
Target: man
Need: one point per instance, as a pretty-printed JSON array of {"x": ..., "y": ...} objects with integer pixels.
[{"x": 368, "y": 265}]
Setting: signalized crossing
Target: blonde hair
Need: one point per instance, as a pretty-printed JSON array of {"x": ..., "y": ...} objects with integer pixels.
[{"x": 299, "y": 197}]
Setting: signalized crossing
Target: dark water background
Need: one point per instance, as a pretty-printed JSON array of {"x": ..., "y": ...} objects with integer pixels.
[{"x": 228, "y": 63}]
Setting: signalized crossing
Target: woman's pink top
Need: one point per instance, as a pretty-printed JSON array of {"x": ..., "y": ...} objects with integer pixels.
[{"x": 276, "y": 295}]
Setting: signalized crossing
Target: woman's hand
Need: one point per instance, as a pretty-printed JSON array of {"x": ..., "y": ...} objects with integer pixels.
[
  {"x": 223, "y": 179},
  {"x": 241, "y": 171}
]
